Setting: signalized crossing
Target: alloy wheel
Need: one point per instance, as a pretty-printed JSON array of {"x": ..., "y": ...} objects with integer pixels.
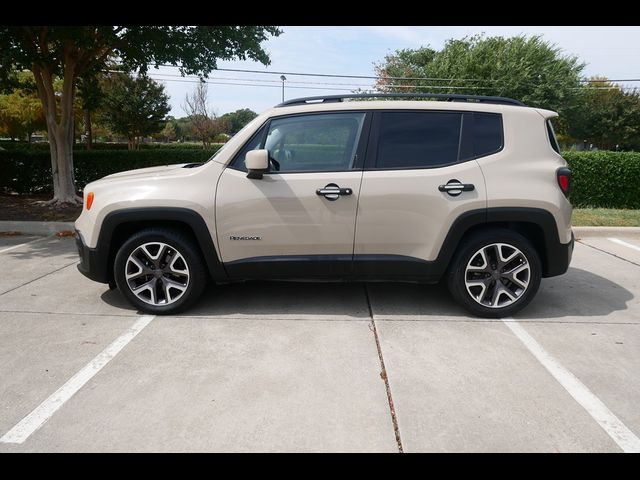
[
  {"x": 157, "y": 273},
  {"x": 497, "y": 275}
]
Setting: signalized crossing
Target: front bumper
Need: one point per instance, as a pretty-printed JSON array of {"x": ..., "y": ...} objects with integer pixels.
[{"x": 93, "y": 262}]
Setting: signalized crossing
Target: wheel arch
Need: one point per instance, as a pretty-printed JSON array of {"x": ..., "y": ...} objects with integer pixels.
[
  {"x": 535, "y": 224},
  {"x": 119, "y": 225}
]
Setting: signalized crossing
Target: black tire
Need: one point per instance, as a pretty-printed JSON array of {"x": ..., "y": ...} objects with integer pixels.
[
  {"x": 192, "y": 257},
  {"x": 468, "y": 247}
]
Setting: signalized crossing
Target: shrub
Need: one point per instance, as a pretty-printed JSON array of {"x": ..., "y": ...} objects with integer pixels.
[
  {"x": 605, "y": 179},
  {"x": 29, "y": 170}
]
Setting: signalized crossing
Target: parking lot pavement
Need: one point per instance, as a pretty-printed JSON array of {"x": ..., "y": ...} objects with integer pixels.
[
  {"x": 623, "y": 246},
  {"x": 296, "y": 367},
  {"x": 38, "y": 257}
]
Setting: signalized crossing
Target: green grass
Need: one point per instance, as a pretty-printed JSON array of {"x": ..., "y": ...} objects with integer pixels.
[{"x": 605, "y": 217}]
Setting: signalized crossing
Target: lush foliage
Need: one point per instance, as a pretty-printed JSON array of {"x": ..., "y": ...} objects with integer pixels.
[
  {"x": 71, "y": 53},
  {"x": 526, "y": 68},
  {"x": 605, "y": 179},
  {"x": 21, "y": 113},
  {"x": 135, "y": 107},
  {"x": 607, "y": 117},
  {"x": 234, "y": 121},
  {"x": 29, "y": 170}
]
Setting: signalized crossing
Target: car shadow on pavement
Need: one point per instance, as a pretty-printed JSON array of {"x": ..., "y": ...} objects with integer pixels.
[{"x": 578, "y": 293}]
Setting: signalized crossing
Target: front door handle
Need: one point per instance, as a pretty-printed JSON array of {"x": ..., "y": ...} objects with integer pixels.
[
  {"x": 333, "y": 192},
  {"x": 456, "y": 187}
]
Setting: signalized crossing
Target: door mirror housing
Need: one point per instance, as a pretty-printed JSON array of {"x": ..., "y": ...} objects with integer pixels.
[{"x": 257, "y": 163}]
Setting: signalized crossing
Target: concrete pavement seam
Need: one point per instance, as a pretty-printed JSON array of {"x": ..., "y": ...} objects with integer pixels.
[
  {"x": 383, "y": 374},
  {"x": 38, "y": 278},
  {"x": 609, "y": 253}
]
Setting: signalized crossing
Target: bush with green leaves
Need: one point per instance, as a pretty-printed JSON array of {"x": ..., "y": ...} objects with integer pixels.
[
  {"x": 605, "y": 179},
  {"x": 29, "y": 170}
]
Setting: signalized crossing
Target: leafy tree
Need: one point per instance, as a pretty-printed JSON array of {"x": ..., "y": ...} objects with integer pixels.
[
  {"x": 21, "y": 112},
  {"x": 608, "y": 117},
  {"x": 135, "y": 107},
  {"x": 525, "y": 68},
  {"x": 168, "y": 133},
  {"x": 91, "y": 94},
  {"x": 234, "y": 121},
  {"x": 73, "y": 52}
]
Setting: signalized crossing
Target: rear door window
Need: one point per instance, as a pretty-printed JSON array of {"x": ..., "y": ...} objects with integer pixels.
[{"x": 418, "y": 139}]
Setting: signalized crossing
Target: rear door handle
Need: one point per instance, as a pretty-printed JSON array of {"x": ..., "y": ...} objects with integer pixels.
[
  {"x": 456, "y": 187},
  {"x": 333, "y": 192}
]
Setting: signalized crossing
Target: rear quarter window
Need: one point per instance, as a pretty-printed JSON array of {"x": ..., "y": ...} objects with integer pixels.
[
  {"x": 552, "y": 137},
  {"x": 488, "y": 137}
]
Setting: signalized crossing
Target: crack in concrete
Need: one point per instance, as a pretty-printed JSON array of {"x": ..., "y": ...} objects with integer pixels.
[{"x": 383, "y": 374}]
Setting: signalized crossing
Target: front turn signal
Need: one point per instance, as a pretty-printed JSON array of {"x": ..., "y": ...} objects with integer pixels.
[{"x": 89, "y": 200}]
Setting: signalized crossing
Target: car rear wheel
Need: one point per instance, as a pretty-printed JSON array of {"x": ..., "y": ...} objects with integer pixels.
[
  {"x": 495, "y": 273},
  {"x": 160, "y": 271}
]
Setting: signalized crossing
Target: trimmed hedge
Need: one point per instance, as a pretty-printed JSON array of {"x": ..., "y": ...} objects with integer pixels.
[
  {"x": 80, "y": 147},
  {"x": 29, "y": 170},
  {"x": 605, "y": 179},
  {"x": 600, "y": 179}
]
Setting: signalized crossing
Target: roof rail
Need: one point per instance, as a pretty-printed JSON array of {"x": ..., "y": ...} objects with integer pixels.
[{"x": 450, "y": 97}]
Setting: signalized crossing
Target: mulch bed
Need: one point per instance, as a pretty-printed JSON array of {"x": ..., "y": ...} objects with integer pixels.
[{"x": 30, "y": 207}]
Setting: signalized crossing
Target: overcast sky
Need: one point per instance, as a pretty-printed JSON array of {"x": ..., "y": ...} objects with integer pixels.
[{"x": 610, "y": 51}]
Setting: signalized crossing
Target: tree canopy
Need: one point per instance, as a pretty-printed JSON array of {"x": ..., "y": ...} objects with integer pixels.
[
  {"x": 21, "y": 112},
  {"x": 134, "y": 107},
  {"x": 525, "y": 68},
  {"x": 608, "y": 117},
  {"x": 74, "y": 52},
  {"x": 234, "y": 121}
]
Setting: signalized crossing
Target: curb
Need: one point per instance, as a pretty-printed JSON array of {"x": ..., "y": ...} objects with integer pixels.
[
  {"x": 35, "y": 228},
  {"x": 604, "y": 231}
]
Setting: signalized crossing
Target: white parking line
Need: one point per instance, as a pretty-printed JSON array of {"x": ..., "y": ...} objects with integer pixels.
[
  {"x": 44, "y": 411},
  {"x": 621, "y": 242},
  {"x": 611, "y": 424},
  {"x": 23, "y": 244}
]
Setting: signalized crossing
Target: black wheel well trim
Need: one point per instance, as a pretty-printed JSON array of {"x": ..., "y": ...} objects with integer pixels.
[
  {"x": 144, "y": 217},
  {"x": 537, "y": 224}
]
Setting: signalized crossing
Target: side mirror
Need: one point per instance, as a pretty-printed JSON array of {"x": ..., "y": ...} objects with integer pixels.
[{"x": 257, "y": 163}]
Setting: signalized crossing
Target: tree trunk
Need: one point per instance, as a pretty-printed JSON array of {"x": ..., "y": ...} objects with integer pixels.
[
  {"x": 87, "y": 128},
  {"x": 64, "y": 190},
  {"x": 60, "y": 129}
]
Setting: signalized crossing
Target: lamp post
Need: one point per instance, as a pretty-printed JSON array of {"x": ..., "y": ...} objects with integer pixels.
[{"x": 283, "y": 78}]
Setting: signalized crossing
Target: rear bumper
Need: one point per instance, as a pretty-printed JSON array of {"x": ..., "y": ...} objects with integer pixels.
[
  {"x": 559, "y": 257},
  {"x": 93, "y": 262}
]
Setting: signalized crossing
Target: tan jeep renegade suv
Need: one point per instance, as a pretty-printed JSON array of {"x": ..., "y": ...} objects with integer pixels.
[{"x": 472, "y": 190}]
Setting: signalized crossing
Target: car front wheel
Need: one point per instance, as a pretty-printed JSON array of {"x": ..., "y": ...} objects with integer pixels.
[{"x": 160, "y": 271}]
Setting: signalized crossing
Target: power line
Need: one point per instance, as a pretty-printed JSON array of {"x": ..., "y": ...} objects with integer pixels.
[
  {"x": 353, "y": 86},
  {"x": 308, "y": 74},
  {"x": 289, "y": 82}
]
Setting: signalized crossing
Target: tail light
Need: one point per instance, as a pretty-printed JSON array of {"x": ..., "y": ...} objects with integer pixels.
[{"x": 564, "y": 180}]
